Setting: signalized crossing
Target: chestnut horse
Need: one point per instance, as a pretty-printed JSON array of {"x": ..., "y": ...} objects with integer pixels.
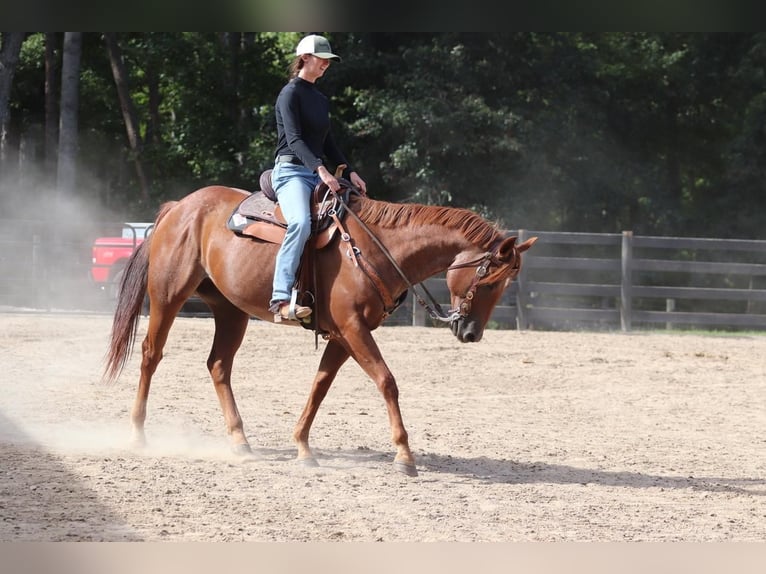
[{"x": 387, "y": 248}]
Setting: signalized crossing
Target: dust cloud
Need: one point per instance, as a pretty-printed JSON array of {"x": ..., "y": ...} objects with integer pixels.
[{"x": 45, "y": 242}]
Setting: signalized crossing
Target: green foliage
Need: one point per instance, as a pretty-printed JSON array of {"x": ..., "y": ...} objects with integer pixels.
[{"x": 661, "y": 133}]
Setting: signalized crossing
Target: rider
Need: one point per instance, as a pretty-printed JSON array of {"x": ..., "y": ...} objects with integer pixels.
[{"x": 304, "y": 139}]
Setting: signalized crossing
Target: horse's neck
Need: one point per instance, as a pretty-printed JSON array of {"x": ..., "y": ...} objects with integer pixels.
[{"x": 423, "y": 252}]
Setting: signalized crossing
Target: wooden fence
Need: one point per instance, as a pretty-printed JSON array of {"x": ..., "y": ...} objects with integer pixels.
[
  {"x": 624, "y": 281},
  {"x": 568, "y": 280}
]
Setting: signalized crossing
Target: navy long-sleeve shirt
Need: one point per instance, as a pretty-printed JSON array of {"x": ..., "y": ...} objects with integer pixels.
[{"x": 303, "y": 125}]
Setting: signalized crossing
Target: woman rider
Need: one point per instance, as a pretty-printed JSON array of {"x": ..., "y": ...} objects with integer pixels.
[{"x": 304, "y": 139}]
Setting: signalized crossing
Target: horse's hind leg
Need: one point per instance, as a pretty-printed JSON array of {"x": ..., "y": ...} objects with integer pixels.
[
  {"x": 230, "y": 326},
  {"x": 333, "y": 358},
  {"x": 160, "y": 321},
  {"x": 167, "y": 294}
]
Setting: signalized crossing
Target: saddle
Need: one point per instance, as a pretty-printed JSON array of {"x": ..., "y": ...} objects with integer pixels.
[{"x": 259, "y": 216}]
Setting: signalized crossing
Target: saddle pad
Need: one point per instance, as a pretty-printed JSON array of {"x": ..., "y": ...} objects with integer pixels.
[
  {"x": 257, "y": 206},
  {"x": 255, "y": 217}
]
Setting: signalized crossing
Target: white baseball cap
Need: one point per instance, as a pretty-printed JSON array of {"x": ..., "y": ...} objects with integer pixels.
[{"x": 317, "y": 46}]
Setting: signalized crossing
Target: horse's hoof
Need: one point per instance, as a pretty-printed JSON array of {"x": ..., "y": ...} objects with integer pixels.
[
  {"x": 243, "y": 450},
  {"x": 308, "y": 462},
  {"x": 137, "y": 444},
  {"x": 405, "y": 468},
  {"x": 245, "y": 454}
]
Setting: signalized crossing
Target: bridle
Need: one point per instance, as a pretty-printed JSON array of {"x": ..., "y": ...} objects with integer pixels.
[
  {"x": 435, "y": 311},
  {"x": 483, "y": 264}
]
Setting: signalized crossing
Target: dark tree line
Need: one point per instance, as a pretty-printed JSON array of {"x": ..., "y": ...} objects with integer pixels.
[{"x": 661, "y": 133}]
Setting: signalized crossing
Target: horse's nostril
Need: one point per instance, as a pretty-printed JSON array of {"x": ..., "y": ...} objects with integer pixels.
[{"x": 469, "y": 337}]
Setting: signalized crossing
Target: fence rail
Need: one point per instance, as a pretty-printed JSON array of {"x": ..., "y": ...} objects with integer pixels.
[{"x": 642, "y": 280}]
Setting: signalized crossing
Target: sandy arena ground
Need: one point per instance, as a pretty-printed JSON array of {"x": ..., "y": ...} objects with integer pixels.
[{"x": 525, "y": 436}]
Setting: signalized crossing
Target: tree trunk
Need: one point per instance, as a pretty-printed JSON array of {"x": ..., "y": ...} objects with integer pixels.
[
  {"x": 233, "y": 43},
  {"x": 153, "y": 127},
  {"x": 128, "y": 109},
  {"x": 51, "y": 101},
  {"x": 9, "y": 59},
  {"x": 673, "y": 181},
  {"x": 70, "y": 99},
  {"x": 230, "y": 41}
]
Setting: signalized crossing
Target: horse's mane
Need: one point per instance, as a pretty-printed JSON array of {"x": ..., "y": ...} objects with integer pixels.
[{"x": 474, "y": 228}]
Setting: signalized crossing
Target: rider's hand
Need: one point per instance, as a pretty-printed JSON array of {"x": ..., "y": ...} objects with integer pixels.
[
  {"x": 358, "y": 182},
  {"x": 328, "y": 179}
]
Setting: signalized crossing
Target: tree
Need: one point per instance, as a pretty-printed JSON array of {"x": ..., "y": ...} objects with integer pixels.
[
  {"x": 420, "y": 108},
  {"x": 51, "y": 103},
  {"x": 655, "y": 132},
  {"x": 128, "y": 109},
  {"x": 9, "y": 59},
  {"x": 68, "y": 125}
]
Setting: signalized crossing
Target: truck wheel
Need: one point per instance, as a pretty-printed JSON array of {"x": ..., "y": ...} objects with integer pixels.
[{"x": 115, "y": 280}]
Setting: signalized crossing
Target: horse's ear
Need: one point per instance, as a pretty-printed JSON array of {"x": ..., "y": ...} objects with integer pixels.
[
  {"x": 522, "y": 247},
  {"x": 505, "y": 250}
]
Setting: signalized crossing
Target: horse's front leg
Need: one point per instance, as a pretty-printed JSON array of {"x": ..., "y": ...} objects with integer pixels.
[
  {"x": 365, "y": 351},
  {"x": 332, "y": 360}
]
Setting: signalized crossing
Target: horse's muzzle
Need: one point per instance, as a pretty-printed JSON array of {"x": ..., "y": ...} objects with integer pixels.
[{"x": 466, "y": 331}]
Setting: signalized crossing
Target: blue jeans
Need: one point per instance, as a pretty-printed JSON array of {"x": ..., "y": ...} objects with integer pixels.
[{"x": 293, "y": 185}]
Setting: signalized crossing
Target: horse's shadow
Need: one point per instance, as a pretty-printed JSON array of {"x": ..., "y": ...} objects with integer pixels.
[
  {"x": 516, "y": 472},
  {"x": 488, "y": 470}
]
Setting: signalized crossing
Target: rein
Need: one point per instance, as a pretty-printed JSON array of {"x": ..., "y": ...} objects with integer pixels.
[{"x": 434, "y": 310}]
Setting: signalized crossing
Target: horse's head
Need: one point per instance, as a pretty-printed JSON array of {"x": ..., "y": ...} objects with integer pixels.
[{"x": 477, "y": 280}]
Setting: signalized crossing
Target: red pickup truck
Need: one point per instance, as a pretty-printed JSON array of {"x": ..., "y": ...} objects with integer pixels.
[{"x": 110, "y": 255}]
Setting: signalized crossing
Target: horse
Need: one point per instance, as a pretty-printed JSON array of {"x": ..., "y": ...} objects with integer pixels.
[{"x": 385, "y": 250}]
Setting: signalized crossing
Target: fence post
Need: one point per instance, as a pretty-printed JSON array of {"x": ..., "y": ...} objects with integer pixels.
[
  {"x": 670, "y": 306},
  {"x": 522, "y": 321},
  {"x": 626, "y": 282},
  {"x": 418, "y": 313},
  {"x": 36, "y": 266}
]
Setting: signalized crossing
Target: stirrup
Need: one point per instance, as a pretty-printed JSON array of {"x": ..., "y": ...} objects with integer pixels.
[
  {"x": 284, "y": 311},
  {"x": 293, "y": 313}
]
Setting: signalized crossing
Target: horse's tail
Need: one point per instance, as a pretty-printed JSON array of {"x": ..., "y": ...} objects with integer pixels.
[{"x": 130, "y": 301}]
